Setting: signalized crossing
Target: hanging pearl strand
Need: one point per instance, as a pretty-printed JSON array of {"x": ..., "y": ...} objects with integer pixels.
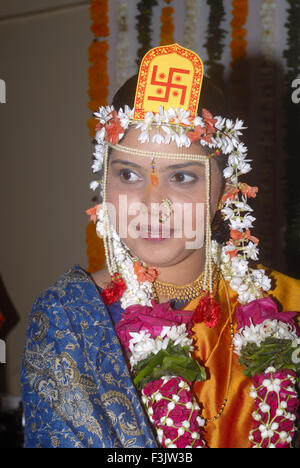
[
  {"x": 107, "y": 235},
  {"x": 135, "y": 292},
  {"x": 208, "y": 268},
  {"x": 112, "y": 244}
]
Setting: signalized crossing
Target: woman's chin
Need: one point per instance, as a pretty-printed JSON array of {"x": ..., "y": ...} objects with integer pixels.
[{"x": 158, "y": 252}]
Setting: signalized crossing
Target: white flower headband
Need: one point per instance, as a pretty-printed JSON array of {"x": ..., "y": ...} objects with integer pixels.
[{"x": 217, "y": 133}]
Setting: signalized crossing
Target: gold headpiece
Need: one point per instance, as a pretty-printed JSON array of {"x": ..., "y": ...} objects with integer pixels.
[{"x": 169, "y": 76}]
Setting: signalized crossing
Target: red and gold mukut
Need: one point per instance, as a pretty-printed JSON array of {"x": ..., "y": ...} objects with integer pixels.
[{"x": 169, "y": 76}]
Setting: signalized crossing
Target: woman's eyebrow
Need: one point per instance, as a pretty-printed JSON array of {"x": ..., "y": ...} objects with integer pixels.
[
  {"x": 187, "y": 164},
  {"x": 126, "y": 163},
  {"x": 172, "y": 167}
]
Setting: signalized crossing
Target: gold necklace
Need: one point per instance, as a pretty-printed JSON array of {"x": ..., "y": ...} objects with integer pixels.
[
  {"x": 186, "y": 292},
  {"x": 225, "y": 401}
]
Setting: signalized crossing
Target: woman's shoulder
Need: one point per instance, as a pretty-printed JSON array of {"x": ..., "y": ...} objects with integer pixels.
[
  {"x": 62, "y": 287},
  {"x": 74, "y": 294},
  {"x": 285, "y": 289},
  {"x": 101, "y": 277}
]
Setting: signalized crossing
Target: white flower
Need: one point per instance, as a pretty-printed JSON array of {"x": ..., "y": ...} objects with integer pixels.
[
  {"x": 243, "y": 206},
  {"x": 247, "y": 221},
  {"x": 229, "y": 124},
  {"x": 240, "y": 266},
  {"x": 228, "y": 212},
  {"x": 104, "y": 114},
  {"x": 261, "y": 280},
  {"x": 144, "y": 137},
  {"x": 244, "y": 167},
  {"x": 239, "y": 125},
  {"x": 94, "y": 184},
  {"x": 100, "y": 135},
  {"x": 259, "y": 333},
  {"x": 97, "y": 165},
  {"x": 99, "y": 151},
  {"x": 234, "y": 159},
  {"x": 158, "y": 138},
  {"x": 252, "y": 251},
  {"x": 179, "y": 115},
  {"x": 198, "y": 121},
  {"x": 182, "y": 140},
  {"x": 265, "y": 408},
  {"x": 237, "y": 223},
  {"x": 228, "y": 171},
  {"x": 125, "y": 116}
]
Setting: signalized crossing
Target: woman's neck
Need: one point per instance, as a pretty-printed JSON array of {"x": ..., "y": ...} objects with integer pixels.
[{"x": 184, "y": 272}]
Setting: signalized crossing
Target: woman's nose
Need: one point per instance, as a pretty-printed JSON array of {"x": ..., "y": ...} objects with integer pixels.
[{"x": 152, "y": 196}]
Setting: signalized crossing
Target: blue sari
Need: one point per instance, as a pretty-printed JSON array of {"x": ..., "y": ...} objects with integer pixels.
[{"x": 76, "y": 387}]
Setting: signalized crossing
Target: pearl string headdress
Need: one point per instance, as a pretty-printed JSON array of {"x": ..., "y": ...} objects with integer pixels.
[{"x": 179, "y": 125}]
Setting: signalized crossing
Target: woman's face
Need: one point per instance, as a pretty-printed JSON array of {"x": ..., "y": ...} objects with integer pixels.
[{"x": 161, "y": 242}]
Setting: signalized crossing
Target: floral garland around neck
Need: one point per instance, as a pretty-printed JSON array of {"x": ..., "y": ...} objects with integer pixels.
[
  {"x": 159, "y": 342},
  {"x": 154, "y": 346}
]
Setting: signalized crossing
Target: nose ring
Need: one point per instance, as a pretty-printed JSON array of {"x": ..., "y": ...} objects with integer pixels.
[{"x": 166, "y": 210}]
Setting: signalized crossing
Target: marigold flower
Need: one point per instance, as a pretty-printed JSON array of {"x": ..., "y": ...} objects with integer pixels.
[{"x": 145, "y": 273}]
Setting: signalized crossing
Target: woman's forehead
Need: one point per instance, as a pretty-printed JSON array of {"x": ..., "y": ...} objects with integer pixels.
[
  {"x": 156, "y": 151},
  {"x": 118, "y": 157}
]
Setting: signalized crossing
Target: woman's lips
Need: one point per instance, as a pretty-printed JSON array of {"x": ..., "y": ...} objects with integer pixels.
[{"x": 155, "y": 234}]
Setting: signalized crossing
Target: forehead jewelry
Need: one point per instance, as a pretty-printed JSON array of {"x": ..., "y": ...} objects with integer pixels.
[{"x": 153, "y": 176}]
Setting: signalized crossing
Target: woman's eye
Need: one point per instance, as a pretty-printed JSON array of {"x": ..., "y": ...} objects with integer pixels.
[
  {"x": 128, "y": 176},
  {"x": 183, "y": 178}
]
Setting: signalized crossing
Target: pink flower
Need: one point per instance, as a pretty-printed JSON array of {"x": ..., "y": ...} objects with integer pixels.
[
  {"x": 152, "y": 387},
  {"x": 184, "y": 440},
  {"x": 160, "y": 409},
  {"x": 170, "y": 432},
  {"x": 185, "y": 396},
  {"x": 259, "y": 310},
  {"x": 179, "y": 414},
  {"x": 151, "y": 319}
]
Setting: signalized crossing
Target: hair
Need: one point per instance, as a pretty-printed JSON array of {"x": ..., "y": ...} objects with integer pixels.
[{"x": 212, "y": 99}]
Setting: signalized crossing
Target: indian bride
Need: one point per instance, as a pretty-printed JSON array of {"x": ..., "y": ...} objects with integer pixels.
[{"x": 184, "y": 340}]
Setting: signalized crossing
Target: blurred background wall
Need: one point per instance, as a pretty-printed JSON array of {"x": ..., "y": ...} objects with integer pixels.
[
  {"x": 45, "y": 152},
  {"x": 250, "y": 48}
]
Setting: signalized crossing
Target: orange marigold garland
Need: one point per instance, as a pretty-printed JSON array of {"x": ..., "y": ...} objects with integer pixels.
[
  {"x": 167, "y": 24},
  {"x": 98, "y": 92},
  {"x": 1, "y": 319},
  {"x": 98, "y": 77},
  {"x": 238, "y": 47}
]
